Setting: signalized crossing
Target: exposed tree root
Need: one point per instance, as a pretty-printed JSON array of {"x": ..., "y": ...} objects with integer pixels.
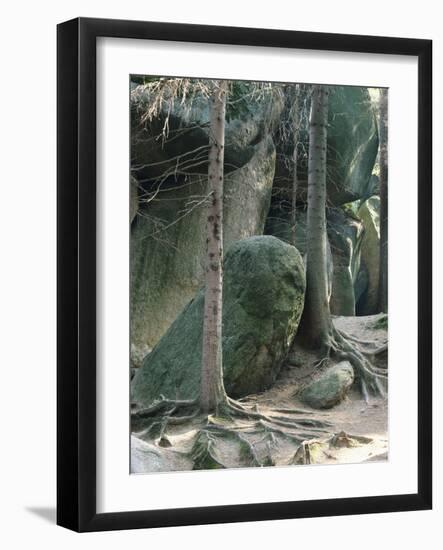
[
  {"x": 269, "y": 430},
  {"x": 242, "y": 434},
  {"x": 247, "y": 449},
  {"x": 163, "y": 412},
  {"x": 362, "y": 342},
  {"x": 162, "y": 405},
  {"x": 293, "y": 411},
  {"x": 254, "y": 434},
  {"x": 204, "y": 452},
  {"x": 233, "y": 409},
  {"x": 372, "y": 379}
]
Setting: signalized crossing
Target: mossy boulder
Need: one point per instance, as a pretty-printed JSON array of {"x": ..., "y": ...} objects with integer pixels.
[
  {"x": 263, "y": 297},
  {"x": 330, "y": 387}
]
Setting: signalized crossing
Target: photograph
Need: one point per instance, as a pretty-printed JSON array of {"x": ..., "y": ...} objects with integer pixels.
[
  {"x": 258, "y": 269},
  {"x": 224, "y": 272}
]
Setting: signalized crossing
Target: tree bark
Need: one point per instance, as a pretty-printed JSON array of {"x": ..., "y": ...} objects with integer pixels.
[
  {"x": 316, "y": 327},
  {"x": 383, "y": 136},
  {"x": 212, "y": 391},
  {"x": 316, "y": 321},
  {"x": 296, "y": 132}
]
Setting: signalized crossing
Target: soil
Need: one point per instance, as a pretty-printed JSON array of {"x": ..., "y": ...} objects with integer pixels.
[{"x": 353, "y": 416}]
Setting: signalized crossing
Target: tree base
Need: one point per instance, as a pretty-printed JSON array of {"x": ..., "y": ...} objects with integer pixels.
[
  {"x": 373, "y": 380},
  {"x": 250, "y": 435}
]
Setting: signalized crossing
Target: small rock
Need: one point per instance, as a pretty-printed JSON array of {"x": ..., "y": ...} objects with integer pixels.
[
  {"x": 330, "y": 388},
  {"x": 342, "y": 439}
]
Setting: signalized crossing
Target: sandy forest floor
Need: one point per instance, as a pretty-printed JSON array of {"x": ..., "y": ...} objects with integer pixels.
[{"x": 365, "y": 425}]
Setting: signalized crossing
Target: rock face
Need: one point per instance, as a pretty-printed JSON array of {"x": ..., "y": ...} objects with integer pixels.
[
  {"x": 345, "y": 234},
  {"x": 351, "y": 152},
  {"x": 369, "y": 213},
  {"x": 352, "y": 145},
  {"x": 186, "y": 137},
  {"x": 351, "y": 149},
  {"x": 264, "y": 285},
  {"x": 330, "y": 388},
  {"x": 168, "y": 241}
]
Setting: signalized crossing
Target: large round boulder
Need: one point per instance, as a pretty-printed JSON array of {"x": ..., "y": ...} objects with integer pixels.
[{"x": 263, "y": 297}]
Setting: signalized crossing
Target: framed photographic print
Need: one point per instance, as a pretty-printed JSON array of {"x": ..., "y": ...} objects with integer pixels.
[{"x": 244, "y": 274}]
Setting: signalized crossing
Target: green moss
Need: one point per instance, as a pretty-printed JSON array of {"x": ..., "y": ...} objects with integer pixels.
[
  {"x": 204, "y": 454},
  {"x": 263, "y": 296},
  {"x": 381, "y": 323},
  {"x": 245, "y": 455}
]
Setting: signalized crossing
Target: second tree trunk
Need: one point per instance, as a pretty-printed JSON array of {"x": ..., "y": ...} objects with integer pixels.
[
  {"x": 316, "y": 321},
  {"x": 212, "y": 388}
]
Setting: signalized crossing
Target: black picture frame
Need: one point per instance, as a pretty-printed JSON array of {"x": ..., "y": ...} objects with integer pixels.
[{"x": 76, "y": 267}]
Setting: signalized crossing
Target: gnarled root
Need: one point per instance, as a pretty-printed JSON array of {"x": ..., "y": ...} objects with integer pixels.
[
  {"x": 233, "y": 409},
  {"x": 204, "y": 452},
  {"x": 250, "y": 434},
  {"x": 255, "y": 434},
  {"x": 255, "y": 442},
  {"x": 164, "y": 411},
  {"x": 371, "y": 378}
]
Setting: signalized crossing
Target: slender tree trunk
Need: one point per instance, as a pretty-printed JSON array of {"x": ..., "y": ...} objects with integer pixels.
[
  {"x": 316, "y": 328},
  {"x": 316, "y": 322},
  {"x": 212, "y": 389},
  {"x": 296, "y": 132},
  {"x": 383, "y": 136}
]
